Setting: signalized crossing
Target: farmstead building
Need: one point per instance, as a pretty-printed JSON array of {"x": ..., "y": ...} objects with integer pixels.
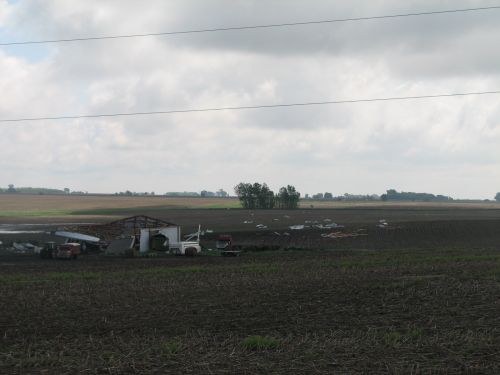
[{"x": 137, "y": 233}]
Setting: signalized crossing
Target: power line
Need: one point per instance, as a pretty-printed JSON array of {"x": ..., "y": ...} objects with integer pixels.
[
  {"x": 291, "y": 24},
  {"x": 177, "y": 111}
]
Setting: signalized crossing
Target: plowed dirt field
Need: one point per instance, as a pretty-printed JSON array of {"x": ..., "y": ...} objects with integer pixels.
[{"x": 420, "y": 296}]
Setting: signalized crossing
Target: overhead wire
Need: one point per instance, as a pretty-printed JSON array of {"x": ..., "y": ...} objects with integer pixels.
[
  {"x": 249, "y": 107},
  {"x": 178, "y": 111},
  {"x": 250, "y": 27}
]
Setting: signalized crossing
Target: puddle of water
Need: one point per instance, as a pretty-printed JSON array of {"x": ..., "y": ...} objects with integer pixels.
[
  {"x": 33, "y": 228},
  {"x": 2, "y": 231}
]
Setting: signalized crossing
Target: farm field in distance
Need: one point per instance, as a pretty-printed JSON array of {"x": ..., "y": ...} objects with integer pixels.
[
  {"x": 20, "y": 206},
  {"x": 45, "y": 208},
  {"x": 420, "y": 296}
]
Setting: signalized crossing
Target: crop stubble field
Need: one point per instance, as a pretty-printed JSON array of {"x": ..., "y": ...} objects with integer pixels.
[{"x": 420, "y": 297}]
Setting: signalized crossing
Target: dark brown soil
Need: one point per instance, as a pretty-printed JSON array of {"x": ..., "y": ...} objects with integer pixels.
[{"x": 420, "y": 296}]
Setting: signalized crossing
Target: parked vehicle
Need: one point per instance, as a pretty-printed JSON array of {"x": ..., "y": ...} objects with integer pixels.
[
  {"x": 69, "y": 250},
  {"x": 225, "y": 245},
  {"x": 187, "y": 248}
]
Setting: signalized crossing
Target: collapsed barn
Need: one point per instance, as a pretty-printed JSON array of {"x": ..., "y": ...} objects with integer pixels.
[{"x": 139, "y": 233}]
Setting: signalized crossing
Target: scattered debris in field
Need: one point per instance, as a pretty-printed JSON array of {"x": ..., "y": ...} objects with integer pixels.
[
  {"x": 327, "y": 226},
  {"x": 261, "y": 226},
  {"x": 339, "y": 234},
  {"x": 297, "y": 227},
  {"x": 26, "y": 247},
  {"x": 333, "y": 225},
  {"x": 383, "y": 224},
  {"x": 311, "y": 222},
  {"x": 248, "y": 222},
  {"x": 276, "y": 233}
]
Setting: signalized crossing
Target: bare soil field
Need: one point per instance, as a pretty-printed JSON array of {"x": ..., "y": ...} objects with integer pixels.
[
  {"x": 408, "y": 226},
  {"x": 299, "y": 312},
  {"x": 419, "y": 296}
]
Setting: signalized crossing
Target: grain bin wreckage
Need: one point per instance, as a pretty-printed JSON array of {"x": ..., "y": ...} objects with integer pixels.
[{"x": 138, "y": 233}]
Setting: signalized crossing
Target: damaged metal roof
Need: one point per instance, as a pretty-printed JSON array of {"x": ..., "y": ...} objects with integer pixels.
[{"x": 129, "y": 226}]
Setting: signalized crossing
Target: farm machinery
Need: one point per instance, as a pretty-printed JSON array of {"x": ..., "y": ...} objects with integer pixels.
[
  {"x": 68, "y": 250},
  {"x": 226, "y": 247}
]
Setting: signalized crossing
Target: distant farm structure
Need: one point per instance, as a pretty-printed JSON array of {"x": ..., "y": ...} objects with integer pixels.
[{"x": 140, "y": 234}]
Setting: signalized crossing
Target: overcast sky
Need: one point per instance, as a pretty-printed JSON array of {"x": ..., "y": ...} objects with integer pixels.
[{"x": 444, "y": 146}]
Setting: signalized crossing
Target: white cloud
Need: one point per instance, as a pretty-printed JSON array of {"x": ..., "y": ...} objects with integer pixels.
[
  {"x": 4, "y": 11},
  {"x": 430, "y": 145}
]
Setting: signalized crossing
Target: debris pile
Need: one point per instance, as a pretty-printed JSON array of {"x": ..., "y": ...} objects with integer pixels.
[
  {"x": 383, "y": 223},
  {"x": 24, "y": 248},
  {"x": 339, "y": 234},
  {"x": 328, "y": 226}
]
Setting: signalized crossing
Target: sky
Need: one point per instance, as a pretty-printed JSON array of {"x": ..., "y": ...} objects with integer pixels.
[{"x": 444, "y": 146}]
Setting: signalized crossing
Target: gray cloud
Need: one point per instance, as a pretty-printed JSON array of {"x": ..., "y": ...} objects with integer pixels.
[{"x": 430, "y": 145}]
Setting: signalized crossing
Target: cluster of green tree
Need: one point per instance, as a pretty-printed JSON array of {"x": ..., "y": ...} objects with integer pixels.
[
  {"x": 287, "y": 197},
  {"x": 345, "y": 197},
  {"x": 393, "y": 195},
  {"x": 259, "y": 196},
  {"x": 497, "y": 197},
  {"x": 11, "y": 189}
]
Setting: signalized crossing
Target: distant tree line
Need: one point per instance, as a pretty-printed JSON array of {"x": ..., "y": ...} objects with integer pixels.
[
  {"x": 204, "y": 194},
  {"x": 393, "y": 195},
  {"x": 129, "y": 193},
  {"x": 11, "y": 189},
  {"x": 259, "y": 196},
  {"x": 219, "y": 193}
]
